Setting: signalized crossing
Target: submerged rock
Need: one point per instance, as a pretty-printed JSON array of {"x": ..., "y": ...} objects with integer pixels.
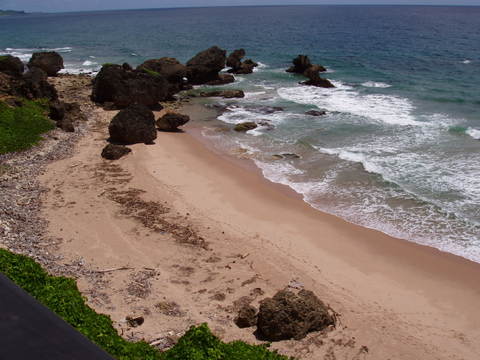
[
  {"x": 11, "y": 65},
  {"x": 115, "y": 152},
  {"x": 135, "y": 124},
  {"x": 316, "y": 112},
  {"x": 245, "y": 126},
  {"x": 123, "y": 87},
  {"x": 49, "y": 61},
  {"x": 172, "y": 121},
  {"x": 205, "y": 66},
  {"x": 247, "y": 317},
  {"x": 289, "y": 315}
]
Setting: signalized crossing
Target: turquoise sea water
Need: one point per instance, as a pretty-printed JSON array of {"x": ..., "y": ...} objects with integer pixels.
[{"x": 399, "y": 148}]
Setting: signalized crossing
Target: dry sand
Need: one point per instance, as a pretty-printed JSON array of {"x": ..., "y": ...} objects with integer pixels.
[{"x": 183, "y": 235}]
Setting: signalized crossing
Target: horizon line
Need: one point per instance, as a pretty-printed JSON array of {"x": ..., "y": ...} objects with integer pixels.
[{"x": 228, "y": 6}]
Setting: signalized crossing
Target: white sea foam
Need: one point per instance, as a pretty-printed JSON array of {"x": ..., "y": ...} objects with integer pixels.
[
  {"x": 375, "y": 84},
  {"x": 474, "y": 133},
  {"x": 389, "y": 109},
  {"x": 466, "y": 61},
  {"x": 89, "y": 63},
  {"x": 260, "y": 67}
]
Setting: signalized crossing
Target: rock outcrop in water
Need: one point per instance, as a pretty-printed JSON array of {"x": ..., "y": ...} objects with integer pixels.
[
  {"x": 50, "y": 61},
  {"x": 123, "y": 87},
  {"x": 234, "y": 61},
  {"x": 227, "y": 94},
  {"x": 302, "y": 65},
  {"x": 288, "y": 315},
  {"x": 11, "y": 65},
  {"x": 222, "y": 80},
  {"x": 172, "y": 121},
  {"x": 206, "y": 65},
  {"x": 245, "y": 126},
  {"x": 135, "y": 124}
]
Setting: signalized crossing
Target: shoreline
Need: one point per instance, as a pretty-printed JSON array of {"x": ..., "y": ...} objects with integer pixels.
[{"x": 246, "y": 239}]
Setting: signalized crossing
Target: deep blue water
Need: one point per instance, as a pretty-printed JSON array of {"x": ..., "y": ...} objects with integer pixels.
[{"x": 398, "y": 150}]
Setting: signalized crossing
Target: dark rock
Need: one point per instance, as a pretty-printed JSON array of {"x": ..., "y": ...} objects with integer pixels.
[
  {"x": 270, "y": 109},
  {"x": 288, "y": 315},
  {"x": 222, "y": 80},
  {"x": 171, "y": 121},
  {"x": 74, "y": 112},
  {"x": 56, "y": 110},
  {"x": 171, "y": 69},
  {"x": 245, "y": 126},
  {"x": 316, "y": 112},
  {"x": 314, "y": 79},
  {"x": 34, "y": 85},
  {"x": 227, "y": 94},
  {"x": 124, "y": 87},
  {"x": 115, "y": 152},
  {"x": 51, "y": 62},
  {"x": 11, "y": 65},
  {"x": 205, "y": 66},
  {"x": 234, "y": 60},
  {"x": 135, "y": 321},
  {"x": 247, "y": 317},
  {"x": 135, "y": 124},
  {"x": 66, "y": 124},
  {"x": 127, "y": 67},
  {"x": 266, "y": 124},
  {"x": 300, "y": 64}
]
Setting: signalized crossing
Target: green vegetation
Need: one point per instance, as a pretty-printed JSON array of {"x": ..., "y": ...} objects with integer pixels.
[
  {"x": 20, "y": 127},
  {"x": 150, "y": 72},
  {"x": 200, "y": 344},
  {"x": 61, "y": 295}
]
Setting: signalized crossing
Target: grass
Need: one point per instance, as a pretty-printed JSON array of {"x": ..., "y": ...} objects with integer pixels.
[
  {"x": 150, "y": 72},
  {"x": 21, "y": 127},
  {"x": 62, "y": 296}
]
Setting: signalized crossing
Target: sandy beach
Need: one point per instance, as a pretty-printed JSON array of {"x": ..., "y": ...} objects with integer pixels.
[{"x": 181, "y": 235}]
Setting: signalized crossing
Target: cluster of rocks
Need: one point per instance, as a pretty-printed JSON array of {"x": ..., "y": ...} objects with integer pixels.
[
  {"x": 31, "y": 82},
  {"x": 302, "y": 65},
  {"x": 158, "y": 80},
  {"x": 287, "y": 315},
  {"x": 136, "y": 124}
]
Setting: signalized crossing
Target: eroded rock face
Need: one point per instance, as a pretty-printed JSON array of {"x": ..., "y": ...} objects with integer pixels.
[
  {"x": 122, "y": 87},
  {"x": 115, "y": 152},
  {"x": 172, "y": 121},
  {"x": 135, "y": 124},
  {"x": 289, "y": 315},
  {"x": 11, "y": 65},
  {"x": 247, "y": 317},
  {"x": 205, "y": 66},
  {"x": 49, "y": 61}
]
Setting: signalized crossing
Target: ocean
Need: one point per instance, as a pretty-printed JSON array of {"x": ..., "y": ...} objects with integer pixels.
[{"x": 399, "y": 148}]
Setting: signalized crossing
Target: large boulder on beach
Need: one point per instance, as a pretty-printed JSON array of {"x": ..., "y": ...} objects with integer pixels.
[
  {"x": 170, "y": 68},
  {"x": 118, "y": 85},
  {"x": 206, "y": 65},
  {"x": 11, "y": 65},
  {"x": 115, "y": 152},
  {"x": 247, "y": 317},
  {"x": 289, "y": 315},
  {"x": 171, "y": 121},
  {"x": 49, "y": 61},
  {"x": 34, "y": 85},
  {"x": 135, "y": 124}
]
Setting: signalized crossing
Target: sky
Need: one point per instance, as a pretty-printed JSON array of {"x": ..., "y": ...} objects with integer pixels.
[{"x": 76, "y": 5}]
